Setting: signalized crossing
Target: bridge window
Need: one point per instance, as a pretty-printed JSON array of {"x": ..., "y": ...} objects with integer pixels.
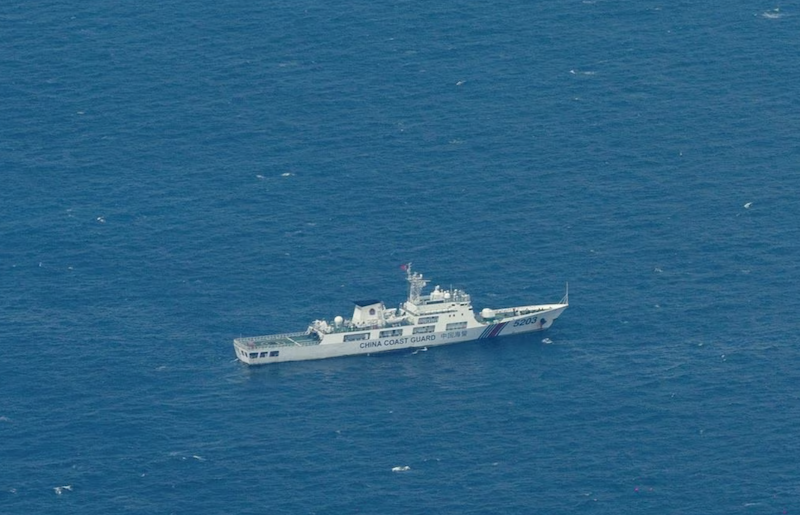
[{"x": 424, "y": 329}]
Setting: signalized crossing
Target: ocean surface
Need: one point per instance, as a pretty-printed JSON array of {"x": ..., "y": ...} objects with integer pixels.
[{"x": 176, "y": 174}]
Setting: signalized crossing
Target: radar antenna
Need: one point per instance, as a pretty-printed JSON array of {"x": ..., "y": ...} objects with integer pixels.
[{"x": 415, "y": 284}]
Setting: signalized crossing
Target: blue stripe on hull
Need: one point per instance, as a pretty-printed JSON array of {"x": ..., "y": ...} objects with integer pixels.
[{"x": 493, "y": 330}]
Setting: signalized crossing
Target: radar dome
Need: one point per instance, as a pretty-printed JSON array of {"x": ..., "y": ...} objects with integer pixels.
[
  {"x": 338, "y": 320},
  {"x": 487, "y": 313}
]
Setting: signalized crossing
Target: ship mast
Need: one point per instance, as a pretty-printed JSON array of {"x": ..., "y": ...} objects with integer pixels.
[{"x": 415, "y": 285}]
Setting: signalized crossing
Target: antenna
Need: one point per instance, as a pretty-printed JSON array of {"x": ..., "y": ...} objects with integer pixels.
[{"x": 416, "y": 283}]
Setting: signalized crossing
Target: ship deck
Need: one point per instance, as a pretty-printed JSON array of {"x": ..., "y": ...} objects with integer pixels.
[
  {"x": 276, "y": 341},
  {"x": 502, "y": 314}
]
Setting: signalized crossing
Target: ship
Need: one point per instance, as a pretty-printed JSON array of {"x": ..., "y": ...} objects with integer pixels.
[{"x": 441, "y": 317}]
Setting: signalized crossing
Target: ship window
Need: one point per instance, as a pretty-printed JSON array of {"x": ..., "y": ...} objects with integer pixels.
[
  {"x": 424, "y": 329},
  {"x": 356, "y": 337},
  {"x": 428, "y": 320},
  {"x": 253, "y": 355},
  {"x": 274, "y": 353},
  {"x": 263, "y": 355},
  {"x": 456, "y": 325},
  {"x": 392, "y": 332}
]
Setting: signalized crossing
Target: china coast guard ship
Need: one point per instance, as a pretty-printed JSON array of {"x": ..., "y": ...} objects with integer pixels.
[{"x": 438, "y": 318}]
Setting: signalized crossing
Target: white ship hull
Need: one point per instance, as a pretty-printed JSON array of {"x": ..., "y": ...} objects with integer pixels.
[
  {"x": 251, "y": 352},
  {"x": 441, "y": 318}
]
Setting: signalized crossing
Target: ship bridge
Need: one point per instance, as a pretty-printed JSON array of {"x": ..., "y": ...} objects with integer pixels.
[{"x": 438, "y": 301}]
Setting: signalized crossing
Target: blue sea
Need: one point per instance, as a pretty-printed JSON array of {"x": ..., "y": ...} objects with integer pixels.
[{"x": 177, "y": 174}]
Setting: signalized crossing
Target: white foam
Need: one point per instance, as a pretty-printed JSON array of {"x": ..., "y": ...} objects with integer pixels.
[
  {"x": 405, "y": 468},
  {"x": 747, "y": 206},
  {"x": 547, "y": 341}
]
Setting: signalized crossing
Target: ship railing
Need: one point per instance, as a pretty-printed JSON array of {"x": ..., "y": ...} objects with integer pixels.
[
  {"x": 515, "y": 312},
  {"x": 454, "y": 297},
  {"x": 503, "y": 313},
  {"x": 253, "y": 340},
  {"x": 347, "y": 328}
]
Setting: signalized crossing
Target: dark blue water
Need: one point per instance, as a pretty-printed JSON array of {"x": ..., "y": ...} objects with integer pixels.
[{"x": 177, "y": 174}]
